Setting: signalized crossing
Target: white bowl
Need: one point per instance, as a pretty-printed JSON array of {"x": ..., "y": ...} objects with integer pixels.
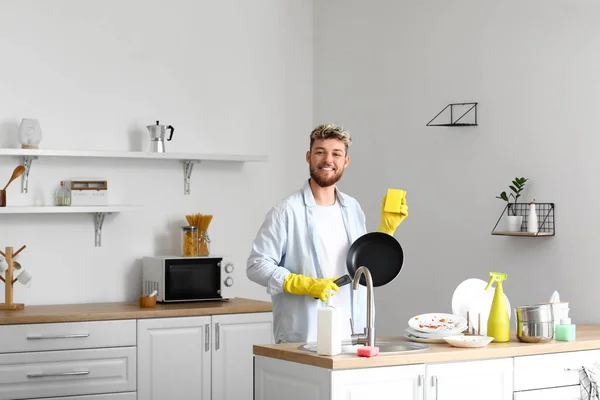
[{"x": 468, "y": 341}]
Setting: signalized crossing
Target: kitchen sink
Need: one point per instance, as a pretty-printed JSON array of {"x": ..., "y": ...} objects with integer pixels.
[{"x": 385, "y": 347}]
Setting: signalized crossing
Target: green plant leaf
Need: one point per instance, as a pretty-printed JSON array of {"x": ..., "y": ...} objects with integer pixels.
[{"x": 514, "y": 189}]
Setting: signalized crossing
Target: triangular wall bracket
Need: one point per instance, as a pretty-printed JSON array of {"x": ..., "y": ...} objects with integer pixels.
[{"x": 468, "y": 111}]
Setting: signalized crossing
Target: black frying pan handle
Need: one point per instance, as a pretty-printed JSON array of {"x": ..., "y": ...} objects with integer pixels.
[{"x": 341, "y": 281}]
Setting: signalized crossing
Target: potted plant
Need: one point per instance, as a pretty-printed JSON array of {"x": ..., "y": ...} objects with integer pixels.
[{"x": 514, "y": 221}]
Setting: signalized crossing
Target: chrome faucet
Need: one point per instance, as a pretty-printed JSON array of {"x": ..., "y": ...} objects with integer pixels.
[{"x": 368, "y": 337}]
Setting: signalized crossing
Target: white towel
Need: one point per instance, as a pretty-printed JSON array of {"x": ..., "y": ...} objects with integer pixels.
[{"x": 588, "y": 382}]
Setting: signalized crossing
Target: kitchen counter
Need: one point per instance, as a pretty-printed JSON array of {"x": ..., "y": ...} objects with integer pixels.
[
  {"x": 128, "y": 310},
  {"x": 588, "y": 338}
]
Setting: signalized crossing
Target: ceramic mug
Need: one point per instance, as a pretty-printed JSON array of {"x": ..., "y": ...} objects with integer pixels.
[
  {"x": 3, "y": 265},
  {"x": 25, "y": 278}
]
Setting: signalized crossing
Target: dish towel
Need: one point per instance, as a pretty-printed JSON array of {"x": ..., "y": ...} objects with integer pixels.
[{"x": 588, "y": 382}]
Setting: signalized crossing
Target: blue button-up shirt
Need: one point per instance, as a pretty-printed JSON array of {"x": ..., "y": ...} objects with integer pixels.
[{"x": 287, "y": 243}]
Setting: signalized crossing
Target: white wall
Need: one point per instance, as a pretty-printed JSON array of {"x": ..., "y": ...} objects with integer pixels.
[
  {"x": 384, "y": 68},
  {"x": 231, "y": 76}
]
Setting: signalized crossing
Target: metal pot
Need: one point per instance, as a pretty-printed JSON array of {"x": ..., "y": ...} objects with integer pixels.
[{"x": 535, "y": 324}]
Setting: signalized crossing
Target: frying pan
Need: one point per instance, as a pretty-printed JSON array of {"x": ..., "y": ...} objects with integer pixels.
[{"x": 380, "y": 253}]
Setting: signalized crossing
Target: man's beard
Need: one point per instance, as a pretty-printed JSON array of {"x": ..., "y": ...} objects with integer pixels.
[{"x": 324, "y": 182}]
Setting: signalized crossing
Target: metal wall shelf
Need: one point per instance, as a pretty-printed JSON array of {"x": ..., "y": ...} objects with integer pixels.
[
  {"x": 545, "y": 216},
  {"x": 454, "y": 122}
]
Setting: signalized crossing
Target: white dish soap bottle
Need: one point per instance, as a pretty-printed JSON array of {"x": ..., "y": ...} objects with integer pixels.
[
  {"x": 329, "y": 342},
  {"x": 532, "y": 220}
]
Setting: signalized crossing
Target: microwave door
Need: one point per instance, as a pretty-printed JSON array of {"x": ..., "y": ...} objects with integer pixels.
[{"x": 189, "y": 282}]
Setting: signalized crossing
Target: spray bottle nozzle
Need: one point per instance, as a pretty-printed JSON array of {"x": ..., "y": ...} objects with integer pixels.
[{"x": 496, "y": 277}]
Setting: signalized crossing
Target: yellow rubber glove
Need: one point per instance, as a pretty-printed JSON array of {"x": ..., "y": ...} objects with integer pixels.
[
  {"x": 390, "y": 220},
  {"x": 315, "y": 287}
]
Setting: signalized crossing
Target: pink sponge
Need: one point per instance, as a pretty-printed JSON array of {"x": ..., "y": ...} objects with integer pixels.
[{"x": 367, "y": 351}]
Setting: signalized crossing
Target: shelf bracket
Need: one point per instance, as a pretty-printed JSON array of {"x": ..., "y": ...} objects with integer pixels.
[
  {"x": 187, "y": 174},
  {"x": 26, "y": 161},
  {"x": 98, "y": 222}
]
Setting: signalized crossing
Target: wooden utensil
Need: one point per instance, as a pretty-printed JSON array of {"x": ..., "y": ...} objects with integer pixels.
[{"x": 16, "y": 173}]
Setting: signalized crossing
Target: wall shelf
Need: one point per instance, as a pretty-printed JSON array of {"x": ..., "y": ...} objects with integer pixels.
[
  {"x": 455, "y": 122},
  {"x": 188, "y": 159},
  {"x": 99, "y": 212},
  {"x": 545, "y": 217}
]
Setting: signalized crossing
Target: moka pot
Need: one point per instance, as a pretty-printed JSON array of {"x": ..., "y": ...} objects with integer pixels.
[{"x": 157, "y": 136}]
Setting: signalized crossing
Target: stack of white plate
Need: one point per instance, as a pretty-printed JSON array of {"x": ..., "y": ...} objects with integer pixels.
[{"x": 434, "y": 327}]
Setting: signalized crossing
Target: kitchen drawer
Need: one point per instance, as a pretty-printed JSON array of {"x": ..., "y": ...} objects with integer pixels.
[
  {"x": 113, "y": 396},
  {"x": 67, "y": 373},
  {"x": 67, "y": 335},
  {"x": 552, "y": 370},
  {"x": 561, "y": 393}
]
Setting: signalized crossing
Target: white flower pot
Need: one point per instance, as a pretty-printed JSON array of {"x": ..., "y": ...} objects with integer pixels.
[{"x": 514, "y": 223}]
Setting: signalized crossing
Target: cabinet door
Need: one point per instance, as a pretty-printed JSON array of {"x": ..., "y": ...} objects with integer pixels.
[
  {"x": 563, "y": 393},
  {"x": 385, "y": 383},
  {"x": 232, "y": 357},
  {"x": 174, "y": 358},
  {"x": 471, "y": 380}
]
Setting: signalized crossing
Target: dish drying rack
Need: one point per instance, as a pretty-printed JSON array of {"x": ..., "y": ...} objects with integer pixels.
[{"x": 471, "y": 329}]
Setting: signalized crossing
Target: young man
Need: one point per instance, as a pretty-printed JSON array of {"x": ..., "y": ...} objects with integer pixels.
[{"x": 302, "y": 245}]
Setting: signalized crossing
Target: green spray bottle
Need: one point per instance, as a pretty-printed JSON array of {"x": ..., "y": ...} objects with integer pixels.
[{"x": 498, "y": 325}]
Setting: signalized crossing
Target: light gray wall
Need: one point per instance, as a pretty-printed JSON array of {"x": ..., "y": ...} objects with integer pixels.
[
  {"x": 384, "y": 68},
  {"x": 232, "y": 76}
]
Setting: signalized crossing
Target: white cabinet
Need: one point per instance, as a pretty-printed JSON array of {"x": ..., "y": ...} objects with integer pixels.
[
  {"x": 232, "y": 358},
  {"x": 470, "y": 380},
  {"x": 174, "y": 358},
  {"x": 385, "y": 383},
  {"x": 80, "y": 359},
  {"x": 200, "y": 358}
]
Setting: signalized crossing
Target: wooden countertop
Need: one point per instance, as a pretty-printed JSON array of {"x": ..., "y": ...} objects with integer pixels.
[
  {"x": 128, "y": 310},
  {"x": 588, "y": 338}
]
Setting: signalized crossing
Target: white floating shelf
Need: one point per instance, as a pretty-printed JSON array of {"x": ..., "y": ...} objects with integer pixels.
[
  {"x": 188, "y": 159},
  {"x": 133, "y": 154},
  {"x": 65, "y": 209},
  {"x": 99, "y": 213}
]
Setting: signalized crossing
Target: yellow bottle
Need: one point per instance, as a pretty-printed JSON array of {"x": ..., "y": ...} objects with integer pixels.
[{"x": 498, "y": 325}]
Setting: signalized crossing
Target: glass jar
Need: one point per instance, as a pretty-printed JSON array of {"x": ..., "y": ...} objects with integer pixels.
[
  {"x": 203, "y": 244},
  {"x": 63, "y": 195},
  {"x": 189, "y": 241}
]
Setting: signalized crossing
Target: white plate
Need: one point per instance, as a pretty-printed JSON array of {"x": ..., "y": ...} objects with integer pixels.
[
  {"x": 468, "y": 341},
  {"x": 423, "y": 340},
  {"x": 437, "y": 322},
  {"x": 433, "y": 335},
  {"x": 471, "y": 296}
]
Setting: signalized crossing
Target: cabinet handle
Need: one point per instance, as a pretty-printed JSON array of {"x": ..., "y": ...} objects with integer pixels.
[
  {"x": 67, "y": 336},
  {"x": 421, "y": 389},
  {"x": 207, "y": 337},
  {"x": 434, "y": 383},
  {"x": 58, "y": 374},
  {"x": 217, "y": 336}
]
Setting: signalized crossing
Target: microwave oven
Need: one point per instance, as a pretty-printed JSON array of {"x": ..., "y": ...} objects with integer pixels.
[{"x": 179, "y": 279}]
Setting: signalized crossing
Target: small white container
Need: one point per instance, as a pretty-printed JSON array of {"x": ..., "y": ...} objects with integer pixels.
[
  {"x": 89, "y": 192},
  {"x": 532, "y": 220},
  {"x": 329, "y": 342}
]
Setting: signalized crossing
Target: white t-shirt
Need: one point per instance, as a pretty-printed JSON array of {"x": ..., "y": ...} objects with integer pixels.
[{"x": 333, "y": 246}]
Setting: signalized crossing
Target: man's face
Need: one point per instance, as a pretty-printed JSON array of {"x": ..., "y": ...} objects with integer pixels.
[{"x": 327, "y": 160}]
